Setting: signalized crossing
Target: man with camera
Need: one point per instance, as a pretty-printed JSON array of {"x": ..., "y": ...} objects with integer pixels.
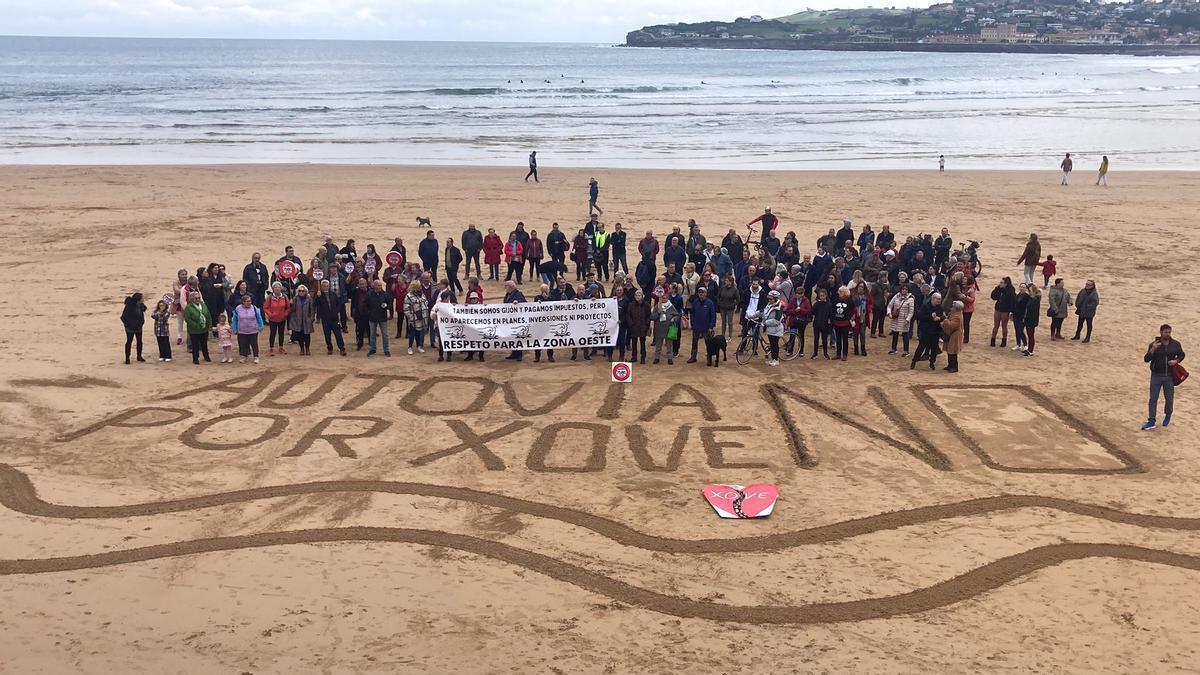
[{"x": 1163, "y": 355}]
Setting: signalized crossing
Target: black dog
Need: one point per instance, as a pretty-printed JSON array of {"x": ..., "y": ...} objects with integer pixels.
[
  {"x": 716, "y": 345},
  {"x": 422, "y": 221}
]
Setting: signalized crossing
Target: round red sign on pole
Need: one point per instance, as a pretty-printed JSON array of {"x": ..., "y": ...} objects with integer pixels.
[
  {"x": 394, "y": 259},
  {"x": 622, "y": 372},
  {"x": 318, "y": 274},
  {"x": 287, "y": 269}
]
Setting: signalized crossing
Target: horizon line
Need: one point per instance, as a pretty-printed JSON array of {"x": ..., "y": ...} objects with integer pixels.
[{"x": 298, "y": 39}]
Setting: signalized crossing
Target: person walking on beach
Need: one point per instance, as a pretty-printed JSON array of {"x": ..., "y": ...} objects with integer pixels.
[
  {"x": 1066, "y": 167},
  {"x": 941, "y": 164},
  {"x": 1163, "y": 355},
  {"x": 532, "y": 167},
  {"x": 593, "y": 195},
  {"x": 1103, "y": 177},
  {"x": 1030, "y": 257}
]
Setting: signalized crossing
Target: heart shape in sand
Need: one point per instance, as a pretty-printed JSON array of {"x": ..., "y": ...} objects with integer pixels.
[{"x": 742, "y": 501}]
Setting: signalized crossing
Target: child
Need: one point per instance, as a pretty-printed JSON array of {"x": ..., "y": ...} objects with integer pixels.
[
  {"x": 162, "y": 329},
  {"x": 225, "y": 339},
  {"x": 942, "y": 163},
  {"x": 1049, "y": 268}
]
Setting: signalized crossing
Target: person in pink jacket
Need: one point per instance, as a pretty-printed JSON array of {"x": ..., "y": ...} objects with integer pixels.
[{"x": 514, "y": 255}]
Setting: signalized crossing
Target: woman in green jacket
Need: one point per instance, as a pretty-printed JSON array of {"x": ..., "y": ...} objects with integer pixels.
[{"x": 199, "y": 322}]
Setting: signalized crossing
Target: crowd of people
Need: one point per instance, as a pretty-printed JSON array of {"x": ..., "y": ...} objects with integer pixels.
[{"x": 857, "y": 285}]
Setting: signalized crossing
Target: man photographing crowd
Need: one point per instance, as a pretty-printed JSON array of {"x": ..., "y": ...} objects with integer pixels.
[{"x": 1163, "y": 355}]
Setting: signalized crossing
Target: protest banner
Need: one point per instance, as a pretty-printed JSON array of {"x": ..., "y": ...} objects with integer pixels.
[{"x": 532, "y": 325}]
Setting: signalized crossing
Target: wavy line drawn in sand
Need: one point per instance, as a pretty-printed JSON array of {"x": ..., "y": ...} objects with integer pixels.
[
  {"x": 1131, "y": 464},
  {"x": 18, "y": 493},
  {"x": 957, "y": 589}
]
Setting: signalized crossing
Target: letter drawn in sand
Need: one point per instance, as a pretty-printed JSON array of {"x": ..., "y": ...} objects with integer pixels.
[
  {"x": 256, "y": 383},
  {"x": 414, "y": 400},
  {"x": 378, "y": 382},
  {"x": 271, "y": 400},
  {"x": 191, "y": 436},
  {"x": 545, "y": 442},
  {"x": 639, "y": 445},
  {"x": 716, "y": 449},
  {"x": 668, "y": 397},
  {"x": 124, "y": 420},
  {"x": 476, "y": 443},
  {"x": 338, "y": 441},
  {"x": 510, "y": 397}
]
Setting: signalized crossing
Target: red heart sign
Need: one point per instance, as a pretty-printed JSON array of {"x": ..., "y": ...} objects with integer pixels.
[{"x": 738, "y": 501}]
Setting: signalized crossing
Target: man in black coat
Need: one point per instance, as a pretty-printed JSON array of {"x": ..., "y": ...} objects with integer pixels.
[
  {"x": 427, "y": 251},
  {"x": 616, "y": 243},
  {"x": 556, "y": 245},
  {"x": 472, "y": 244},
  {"x": 942, "y": 246},
  {"x": 377, "y": 314},
  {"x": 257, "y": 278},
  {"x": 822, "y": 262},
  {"x": 929, "y": 331}
]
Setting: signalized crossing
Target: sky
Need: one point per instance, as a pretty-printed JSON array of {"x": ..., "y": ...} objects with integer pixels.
[{"x": 604, "y": 21}]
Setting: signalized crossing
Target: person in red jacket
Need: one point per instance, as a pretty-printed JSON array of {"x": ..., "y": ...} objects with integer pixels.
[
  {"x": 493, "y": 246},
  {"x": 514, "y": 257},
  {"x": 275, "y": 308},
  {"x": 799, "y": 315}
]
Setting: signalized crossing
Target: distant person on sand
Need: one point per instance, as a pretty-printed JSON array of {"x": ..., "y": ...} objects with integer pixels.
[
  {"x": 532, "y": 167},
  {"x": 593, "y": 195},
  {"x": 941, "y": 163},
  {"x": 1030, "y": 257},
  {"x": 1066, "y": 167},
  {"x": 1163, "y": 355},
  {"x": 1103, "y": 177}
]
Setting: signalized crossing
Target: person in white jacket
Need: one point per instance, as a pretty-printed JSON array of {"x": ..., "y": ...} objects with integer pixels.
[{"x": 900, "y": 314}]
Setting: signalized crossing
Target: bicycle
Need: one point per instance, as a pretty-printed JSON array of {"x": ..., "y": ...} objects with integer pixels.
[
  {"x": 752, "y": 340},
  {"x": 755, "y": 338},
  {"x": 970, "y": 255}
]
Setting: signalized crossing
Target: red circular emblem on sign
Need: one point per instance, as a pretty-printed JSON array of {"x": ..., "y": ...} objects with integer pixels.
[
  {"x": 621, "y": 372},
  {"x": 287, "y": 269},
  {"x": 394, "y": 258},
  {"x": 318, "y": 274}
]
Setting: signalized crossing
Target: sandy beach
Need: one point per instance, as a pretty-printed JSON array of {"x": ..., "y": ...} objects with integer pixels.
[{"x": 327, "y": 514}]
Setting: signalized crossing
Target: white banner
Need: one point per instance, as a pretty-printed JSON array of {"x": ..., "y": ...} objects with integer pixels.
[{"x": 528, "y": 325}]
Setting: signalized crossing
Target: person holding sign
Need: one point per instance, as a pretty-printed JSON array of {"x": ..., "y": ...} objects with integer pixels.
[{"x": 513, "y": 296}]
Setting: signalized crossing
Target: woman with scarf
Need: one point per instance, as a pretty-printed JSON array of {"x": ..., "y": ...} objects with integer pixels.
[{"x": 301, "y": 320}]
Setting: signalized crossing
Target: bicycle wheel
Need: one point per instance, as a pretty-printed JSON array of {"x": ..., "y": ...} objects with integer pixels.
[
  {"x": 790, "y": 349},
  {"x": 743, "y": 353}
]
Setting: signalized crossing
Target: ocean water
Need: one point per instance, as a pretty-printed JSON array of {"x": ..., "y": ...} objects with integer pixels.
[{"x": 83, "y": 100}]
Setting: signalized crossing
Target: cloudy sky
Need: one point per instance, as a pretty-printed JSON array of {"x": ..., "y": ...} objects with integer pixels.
[{"x": 501, "y": 20}]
